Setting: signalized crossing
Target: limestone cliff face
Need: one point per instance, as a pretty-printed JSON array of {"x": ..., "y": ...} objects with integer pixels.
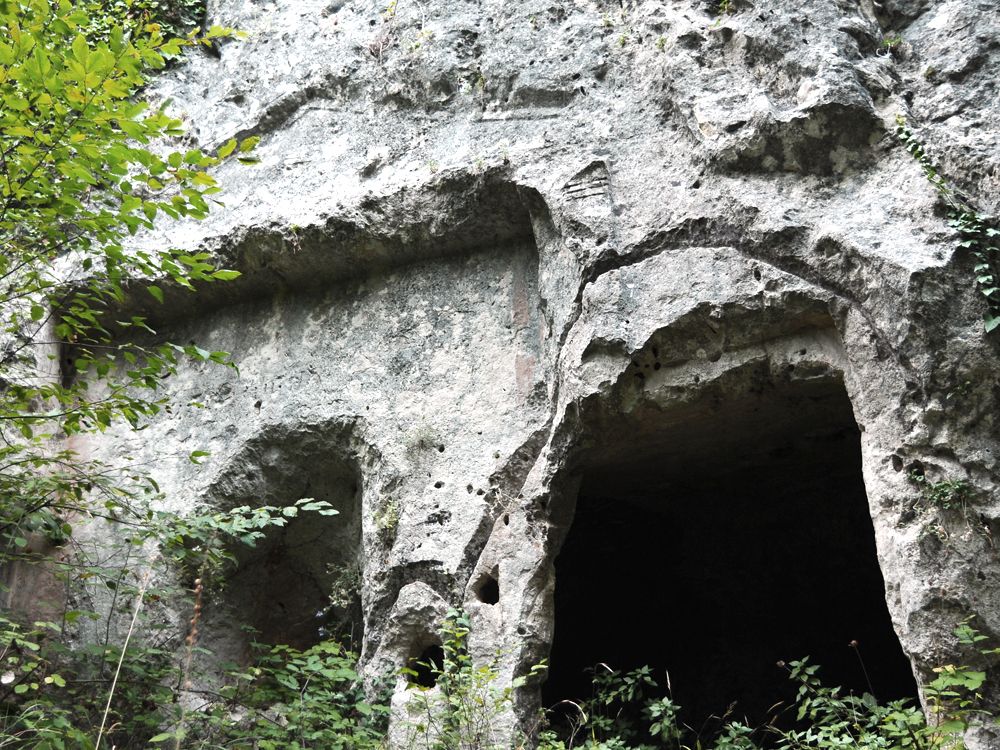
[{"x": 495, "y": 248}]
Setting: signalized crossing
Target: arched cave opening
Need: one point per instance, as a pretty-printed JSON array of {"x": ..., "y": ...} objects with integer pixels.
[
  {"x": 715, "y": 542},
  {"x": 301, "y": 583}
]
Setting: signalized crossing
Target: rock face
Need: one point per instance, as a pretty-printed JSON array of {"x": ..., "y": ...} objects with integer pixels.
[{"x": 501, "y": 255}]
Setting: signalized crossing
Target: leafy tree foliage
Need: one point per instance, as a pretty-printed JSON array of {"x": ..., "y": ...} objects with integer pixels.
[
  {"x": 176, "y": 18},
  {"x": 79, "y": 176},
  {"x": 83, "y": 169}
]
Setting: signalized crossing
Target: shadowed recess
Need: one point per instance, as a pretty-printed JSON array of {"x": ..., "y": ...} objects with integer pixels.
[
  {"x": 714, "y": 545},
  {"x": 300, "y": 583}
]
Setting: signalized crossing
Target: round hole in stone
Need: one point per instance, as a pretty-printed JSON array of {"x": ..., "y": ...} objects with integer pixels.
[
  {"x": 488, "y": 589},
  {"x": 427, "y": 666}
]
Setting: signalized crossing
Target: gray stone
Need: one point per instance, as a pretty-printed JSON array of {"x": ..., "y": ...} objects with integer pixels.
[{"x": 474, "y": 224}]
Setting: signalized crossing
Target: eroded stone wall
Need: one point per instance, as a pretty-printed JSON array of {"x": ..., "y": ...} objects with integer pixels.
[{"x": 491, "y": 244}]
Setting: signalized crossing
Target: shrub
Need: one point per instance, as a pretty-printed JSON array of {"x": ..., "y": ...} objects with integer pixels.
[
  {"x": 289, "y": 699},
  {"x": 466, "y": 707}
]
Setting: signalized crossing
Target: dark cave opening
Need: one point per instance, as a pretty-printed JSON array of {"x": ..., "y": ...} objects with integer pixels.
[
  {"x": 426, "y": 667},
  {"x": 488, "y": 590},
  {"x": 714, "y": 544}
]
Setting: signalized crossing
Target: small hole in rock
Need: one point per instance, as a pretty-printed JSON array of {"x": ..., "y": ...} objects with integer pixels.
[
  {"x": 506, "y": 519},
  {"x": 897, "y": 463},
  {"x": 488, "y": 591},
  {"x": 440, "y": 449},
  {"x": 757, "y": 274},
  {"x": 468, "y": 488},
  {"x": 427, "y": 666},
  {"x": 438, "y": 485}
]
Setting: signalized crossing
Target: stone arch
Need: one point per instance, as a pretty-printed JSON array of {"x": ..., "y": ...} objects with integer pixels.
[{"x": 679, "y": 473}]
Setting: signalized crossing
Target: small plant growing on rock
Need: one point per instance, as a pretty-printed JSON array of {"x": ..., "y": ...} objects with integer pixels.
[
  {"x": 723, "y": 8},
  {"x": 948, "y": 494},
  {"x": 979, "y": 235},
  {"x": 890, "y": 44},
  {"x": 387, "y": 520}
]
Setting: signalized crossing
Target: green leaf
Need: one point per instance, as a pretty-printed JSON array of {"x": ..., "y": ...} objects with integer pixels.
[
  {"x": 41, "y": 61},
  {"x": 226, "y": 275},
  {"x": 954, "y": 726},
  {"x": 227, "y": 148},
  {"x": 157, "y": 293},
  {"x": 81, "y": 50}
]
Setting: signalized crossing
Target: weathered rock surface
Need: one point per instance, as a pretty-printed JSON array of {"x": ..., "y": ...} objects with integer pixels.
[{"x": 492, "y": 245}]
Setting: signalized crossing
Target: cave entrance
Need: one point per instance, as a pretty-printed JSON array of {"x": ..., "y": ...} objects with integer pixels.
[{"x": 716, "y": 541}]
